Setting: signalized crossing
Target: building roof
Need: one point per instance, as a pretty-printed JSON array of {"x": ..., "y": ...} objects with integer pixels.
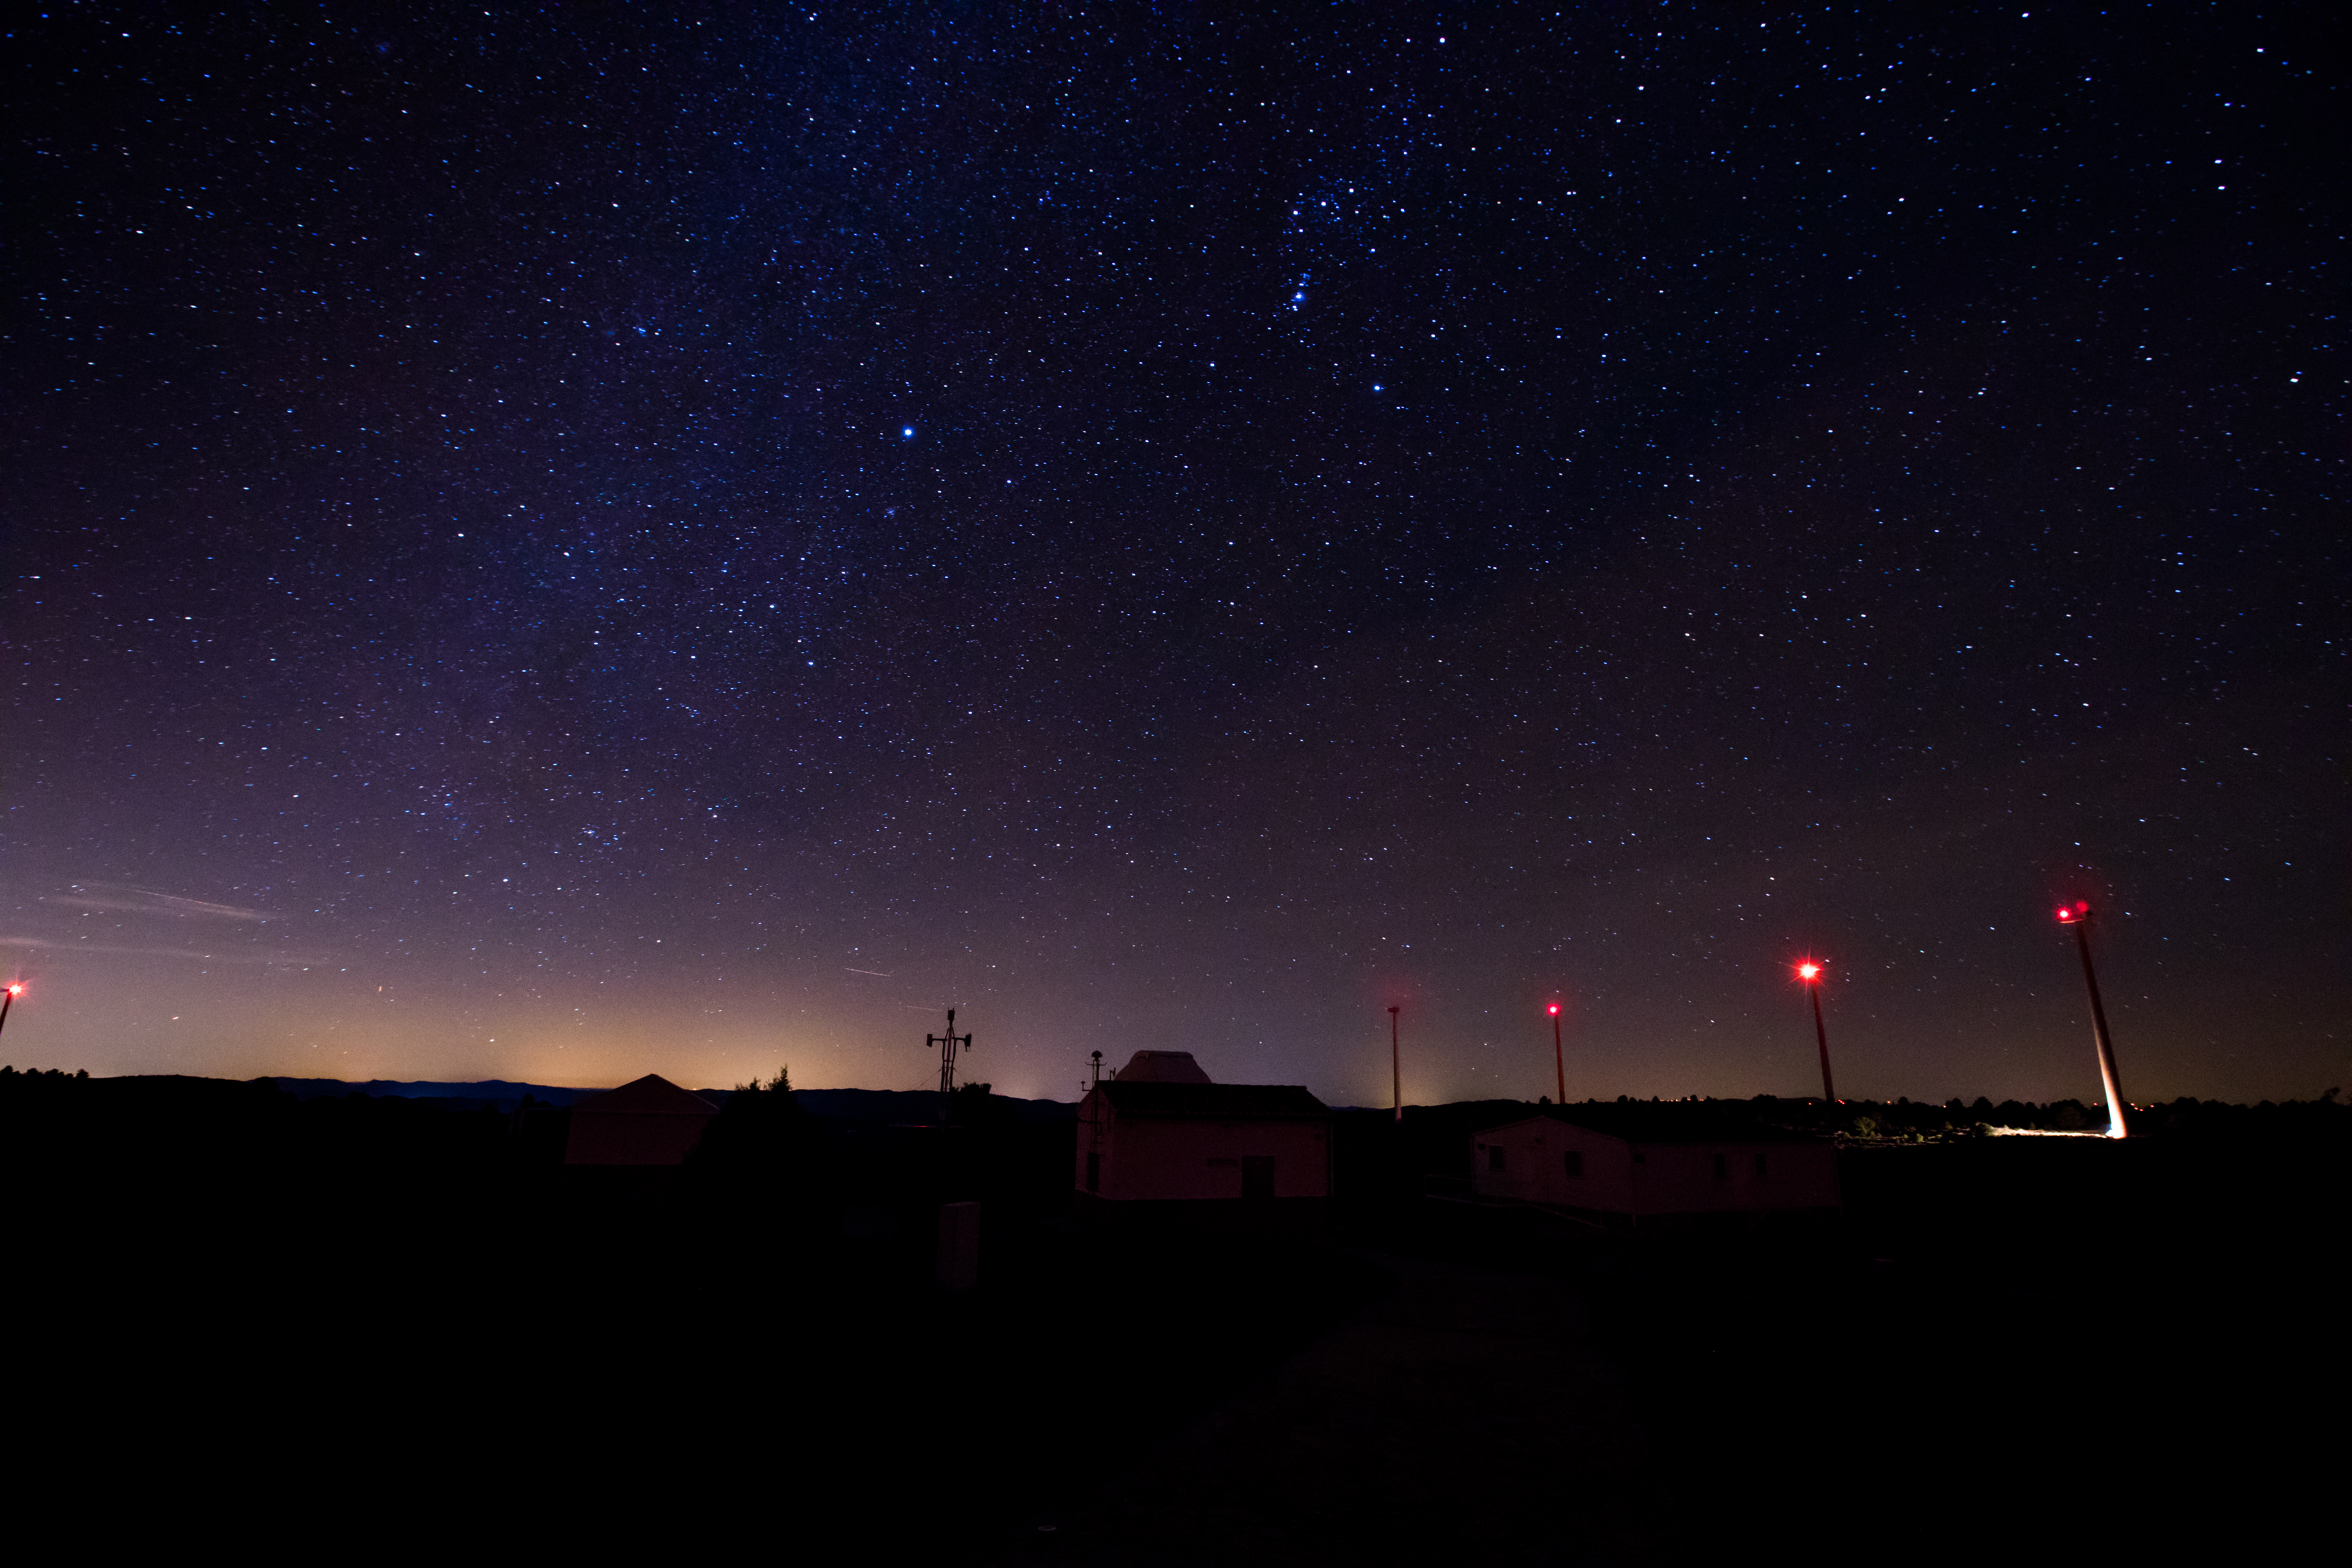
[
  {"x": 1161, "y": 1067},
  {"x": 1205, "y": 1101},
  {"x": 1678, "y": 1121},
  {"x": 652, "y": 1095}
]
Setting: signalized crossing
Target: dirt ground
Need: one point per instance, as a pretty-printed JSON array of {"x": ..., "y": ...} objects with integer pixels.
[{"x": 1466, "y": 1413}]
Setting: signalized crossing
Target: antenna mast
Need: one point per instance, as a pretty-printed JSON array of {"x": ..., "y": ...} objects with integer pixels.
[{"x": 948, "y": 1045}]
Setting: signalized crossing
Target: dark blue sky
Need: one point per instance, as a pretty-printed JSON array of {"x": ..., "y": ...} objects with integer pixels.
[{"x": 623, "y": 539}]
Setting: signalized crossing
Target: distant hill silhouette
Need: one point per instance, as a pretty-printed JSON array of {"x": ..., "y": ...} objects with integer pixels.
[
  {"x": 891, "y": 1105},
  {"x": 491, "y": 1091}
]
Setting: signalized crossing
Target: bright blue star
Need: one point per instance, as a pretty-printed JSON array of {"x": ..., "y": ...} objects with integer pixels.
[{"x": 907, "y": 432}]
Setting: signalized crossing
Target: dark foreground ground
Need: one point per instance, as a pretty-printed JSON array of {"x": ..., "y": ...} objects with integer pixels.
[
  {"x": 2015, "y": 1349},
  {"x": 231, "y": 1318}
]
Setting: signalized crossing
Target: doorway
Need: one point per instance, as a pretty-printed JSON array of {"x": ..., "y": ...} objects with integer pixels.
[{"x": 1257, "y": 1175}]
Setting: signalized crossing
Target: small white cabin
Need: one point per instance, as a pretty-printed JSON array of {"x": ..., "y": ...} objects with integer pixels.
[
  {"x": 1159, "y": 1141},
  {"x": 1647, "y": 1166},
  {"x": 649, "y": 1121}
]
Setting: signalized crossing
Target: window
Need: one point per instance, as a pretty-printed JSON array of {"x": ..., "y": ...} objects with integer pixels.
[
  {"x": 1574, "y": 1160},
  {"x": 1722, "y": 1168},
  {"x": 1493, "y": 1156},
  {"x": 1094, "y": 1173},
  {"x": 1759, "y": 1165}
]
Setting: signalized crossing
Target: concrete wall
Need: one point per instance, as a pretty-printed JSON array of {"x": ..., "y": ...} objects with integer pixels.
[
  {"x": 1650, "y": 1179},
  {"x": 1533, "y": 1170},
  {"x": 1159, "y": 1161},
  {"x": 631, "y": 1138}
]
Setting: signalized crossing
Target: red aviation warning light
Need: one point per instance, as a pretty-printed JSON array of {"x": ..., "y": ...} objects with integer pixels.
[
  {"x": 2080, "y": 912},
  {"x": 1558, "y": 1061},
  {"x": 1808, "y": 970},
  {"x": 15, "y": 988}
]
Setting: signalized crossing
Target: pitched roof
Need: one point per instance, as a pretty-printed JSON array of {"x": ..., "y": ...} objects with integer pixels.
[
  {"x": 1670, "y": 1123},
  {"x": 1212, "y": 1102},
  {"x": 1161, "y": 1067},
  {"x": 652, "y": 1095}
]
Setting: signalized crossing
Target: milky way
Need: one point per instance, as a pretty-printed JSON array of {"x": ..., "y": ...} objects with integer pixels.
[{"x": 555, "y": 546}]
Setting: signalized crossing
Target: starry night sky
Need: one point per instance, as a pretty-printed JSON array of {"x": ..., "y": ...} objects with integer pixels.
[{"x": 560, "y": 545}]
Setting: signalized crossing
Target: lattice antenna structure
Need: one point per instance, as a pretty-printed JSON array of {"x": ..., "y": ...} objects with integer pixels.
[{"x": 948, "y": 1045}]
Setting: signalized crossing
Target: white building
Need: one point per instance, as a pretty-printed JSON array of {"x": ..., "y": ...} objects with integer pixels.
[
  {"x": 1159, "y": 1142},
  {"x": 649, "y": 1121},
  {"x": 1649, "y": 1167}
]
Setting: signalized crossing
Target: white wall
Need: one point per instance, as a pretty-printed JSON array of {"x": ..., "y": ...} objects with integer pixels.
[
  {"x": 1159, "y": 1159},
  {"x": 1654, "y": 1178}
]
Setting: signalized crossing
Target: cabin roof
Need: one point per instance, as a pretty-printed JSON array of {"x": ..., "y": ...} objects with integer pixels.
[
  {"x": 1212, "y": 1102},
  {"x": 1161, "y": 1067},
  {"x": 652, "y": 1095}
]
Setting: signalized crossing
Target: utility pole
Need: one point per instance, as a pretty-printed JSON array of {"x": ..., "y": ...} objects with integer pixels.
[
  {"x": 2079, "y": 917},
  {"x": 1095, "y": 1125},
  {"x": 948, "y": 1044},
  {"x": 1811, "y": 974},
  {"x": 1559, "y": 1063},
  {"x": 1396, "y": 1070}
]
